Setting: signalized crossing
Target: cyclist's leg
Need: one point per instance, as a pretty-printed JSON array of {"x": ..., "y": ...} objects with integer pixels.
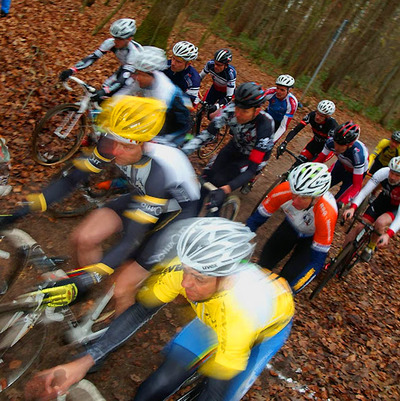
[
  {"x": 339, "y": 174},
  {"x": 213, "y": 95},
  {"x": 297, "y": 270},
  {"x": 260, "y": 355},
  {"x": 226, "y": 166},
  {"x": 185, "y": 351},
  {"x": 95, "y": 228},
  {"x": 91, "y": 232},
  {"x": 312, "y": 149},
  {"x": 278, "y": 245}
]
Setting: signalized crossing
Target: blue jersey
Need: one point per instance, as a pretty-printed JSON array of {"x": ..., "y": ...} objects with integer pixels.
[
  {"x": 354, "y": 159},
  {"x": 224, "y": 81},
  {"x": 187, "y": 80},
  {"x": 282, "y": 111}
]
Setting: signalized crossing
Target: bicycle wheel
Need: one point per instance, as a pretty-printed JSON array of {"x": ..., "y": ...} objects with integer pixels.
[
  {"x": 58, "y": 135},
  {"x": 77, "y": 203},
  {"x": 230, "y": 208},
  {"x": 16, "y": 359},
  {"x": 355, "y": 257},
  {"x": 334, "y": 267},
  {"x": 280, "y": 179},
  {"x": 212, "y": 146}
]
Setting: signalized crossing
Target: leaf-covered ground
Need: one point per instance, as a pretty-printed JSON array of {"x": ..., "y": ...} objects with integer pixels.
[{"x": 343, "y": 346}]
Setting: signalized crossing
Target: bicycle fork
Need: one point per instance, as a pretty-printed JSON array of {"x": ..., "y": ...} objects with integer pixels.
[{"x": 82, "y": 333}]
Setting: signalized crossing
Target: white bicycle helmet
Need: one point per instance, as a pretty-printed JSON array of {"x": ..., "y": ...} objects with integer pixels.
[
  {"x": 396, "y": 136},
  {"x": 123, "y": 28},
  {"x": 150, "y": 59},
  {"x": 394, "y": 164},
  {"x": 310, "y": 179},
  {"x": 215, "y": 246},
  {"x": 186, "y": 50},
  {"x": 285, "y": 80},
  {"x": 326, "y": 107}
]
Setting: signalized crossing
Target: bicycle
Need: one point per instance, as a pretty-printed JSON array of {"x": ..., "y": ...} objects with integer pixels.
[
  {"x": 347, "y": 258},
  {"x": 229, "y": 209},
  {"x": 280, "y": 178},
  {"x": 59, "y": 134},
  {"x": 214, "y": 144},
  {"x": 91, "y": 194},
  {"x": 20, "y": 319}
]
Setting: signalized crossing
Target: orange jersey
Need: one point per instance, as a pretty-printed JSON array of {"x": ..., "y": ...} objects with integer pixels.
[{"x": 318, "y": 221}]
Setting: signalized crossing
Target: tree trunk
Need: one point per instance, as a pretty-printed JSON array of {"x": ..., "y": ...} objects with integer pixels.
[
  {"x": 376, "y": 16},
  {"x": 159, "y": 22}
]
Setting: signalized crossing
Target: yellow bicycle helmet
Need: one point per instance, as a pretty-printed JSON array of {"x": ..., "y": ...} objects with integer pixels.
[{"x": 132, "y": 119}]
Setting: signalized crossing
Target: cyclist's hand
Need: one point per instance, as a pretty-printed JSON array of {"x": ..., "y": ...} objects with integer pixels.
[
  {"x": 348, "y": 214},
  {"x": 61, "y": 294},
  {"x": 383, "y": 241},
  {"x": 64, "y": 75},
  {"x": 99, "y": 96},
  {"x": 281, "y": 149},
  {"x": 217, "y": 198}
]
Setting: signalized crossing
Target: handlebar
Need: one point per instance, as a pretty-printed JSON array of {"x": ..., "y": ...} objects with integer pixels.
[
  {"x": 88, "y": 87},
  {"x": 299, "y": 159}
]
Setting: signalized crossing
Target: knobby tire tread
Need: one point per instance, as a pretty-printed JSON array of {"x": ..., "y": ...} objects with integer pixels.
[{"x": 38, "y": 130}]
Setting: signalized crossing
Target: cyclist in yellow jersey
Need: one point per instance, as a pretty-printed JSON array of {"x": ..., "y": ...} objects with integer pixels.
[
  {"x": 384, "y": 152},
  {"x": 243, "y": 314}
]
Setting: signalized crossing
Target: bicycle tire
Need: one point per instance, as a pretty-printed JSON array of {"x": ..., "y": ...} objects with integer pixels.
[
  {"x": 18, "y": 359},
  {"x": 355, "y": 257},
  {"x": 230, "y": 208},
  {"x": 334, "y": 268},
  {"x": 211, "y": 147},
  {"x": 279, "y": 180},
  {"x": 48, "y": 148},
  {"x": 76, "y": 204}
]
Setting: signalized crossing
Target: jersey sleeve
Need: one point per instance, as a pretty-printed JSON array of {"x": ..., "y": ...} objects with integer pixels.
[
  {"x": 325, "y": 221},
  {"x": 163, "y": 285},
  {"x": 375, "y": 180},
  {"x": 89, "y": 60},
  {"x": 328, "y": 148},
  {"x": 377, "y": 151},
  {"x": 275, "y": 199},
  {"x": 290, "y": 110},
  {"x": 231, "y": 82}
]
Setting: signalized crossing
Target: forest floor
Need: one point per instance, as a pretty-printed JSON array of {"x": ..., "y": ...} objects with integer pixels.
[{"x": 343, "y": 346}]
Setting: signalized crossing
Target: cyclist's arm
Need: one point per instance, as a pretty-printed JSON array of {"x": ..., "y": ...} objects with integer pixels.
[
  {"x": 213, "y": 128},
  {"x": 180, "y": 115},
  {"x": 323, "y": 156},
  {"x": 264, "y": 131},
  {"x": 375, "y": 180},
  {"x": 205, "y": 70},
  {"x": 275, "y": 199},
  {"x": 360, "y": 162},
  {"x": 230, "y": 85},
  {"x": 291, "y": 109},
  {"x": 163, "y": 286},
  {"x": 193, "y": 86},
  {"x": 353, "y": 190},
  {"x": 297, "y": 128},
  {"x": 92, "y": 58},
  {"x": 377, "y": 151},
  {"x": 395, "y": 226}
]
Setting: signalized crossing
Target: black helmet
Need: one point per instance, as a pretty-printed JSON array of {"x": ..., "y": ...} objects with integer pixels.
[
  {"x": 249, "y": 94},
  {"x": 223, "y": 56},
  {"x": 346, "y": 133},
  {"x": 396, "y": 136}
]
